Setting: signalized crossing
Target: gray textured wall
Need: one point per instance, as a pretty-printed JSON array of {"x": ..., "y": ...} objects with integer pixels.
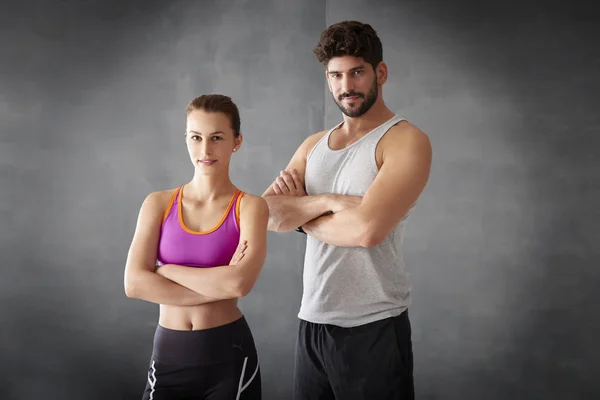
[{"x": 500, "y": 250}]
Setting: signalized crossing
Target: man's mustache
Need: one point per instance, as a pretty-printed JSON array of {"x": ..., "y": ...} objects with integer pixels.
[{"x": 350, "y": 94}]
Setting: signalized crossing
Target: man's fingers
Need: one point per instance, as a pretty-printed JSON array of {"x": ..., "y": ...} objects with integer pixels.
[
  {"x": 295, "y": 175},
  {"x": 296, "y": 178},
  {"x": 288, "y": 179},
  {"x": 283, "y": 184}
]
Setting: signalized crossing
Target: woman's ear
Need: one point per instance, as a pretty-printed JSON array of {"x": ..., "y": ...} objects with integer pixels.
[{"x": 238, "y": 142}]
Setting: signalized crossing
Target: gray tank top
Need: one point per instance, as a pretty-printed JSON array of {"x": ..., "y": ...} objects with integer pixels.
[{"x": 351, "y": 286}]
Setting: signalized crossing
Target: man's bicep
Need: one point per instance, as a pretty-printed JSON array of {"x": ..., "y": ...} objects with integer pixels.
[{"x": 399, "y": 182}]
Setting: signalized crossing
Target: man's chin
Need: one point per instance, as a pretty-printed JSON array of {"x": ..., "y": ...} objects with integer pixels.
[
  {"x": 353, "y": 112},
  {"x": 348, "y": 111}
]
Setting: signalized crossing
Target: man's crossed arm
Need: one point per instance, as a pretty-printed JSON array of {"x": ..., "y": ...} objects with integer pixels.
[
  {"x": 351, "y": 221},
  {"x": 290, "y": 207}
]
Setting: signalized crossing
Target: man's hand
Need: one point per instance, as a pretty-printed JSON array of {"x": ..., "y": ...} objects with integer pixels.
[{"x": 289, "y": 183}]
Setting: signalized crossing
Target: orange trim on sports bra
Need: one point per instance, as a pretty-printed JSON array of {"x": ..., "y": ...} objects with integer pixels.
[
  {"x": 237, "y": 208},
  {"x": 185, "y": 228},
  {"x": 166, "y": 213}
]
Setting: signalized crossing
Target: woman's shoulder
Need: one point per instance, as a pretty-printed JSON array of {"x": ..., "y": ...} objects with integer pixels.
[
  {"x": 160, "y": 199},
  {"x": 253, "y": 203}
]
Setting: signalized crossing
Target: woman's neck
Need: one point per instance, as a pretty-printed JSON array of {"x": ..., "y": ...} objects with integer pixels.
[{"x": 210, "y": 187}]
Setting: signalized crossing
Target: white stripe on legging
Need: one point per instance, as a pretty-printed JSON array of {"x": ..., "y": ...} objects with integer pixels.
[
  {"x": 240, "y": 387},
  {"x": 252, "y": 377},
  {"x": 152, "y": 382}
]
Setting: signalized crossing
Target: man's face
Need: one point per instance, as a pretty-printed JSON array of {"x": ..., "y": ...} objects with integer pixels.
[{"x": 353, "y": 85}]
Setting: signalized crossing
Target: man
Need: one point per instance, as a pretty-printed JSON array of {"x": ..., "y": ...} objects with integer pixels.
[{"x": 351, "y": 189}]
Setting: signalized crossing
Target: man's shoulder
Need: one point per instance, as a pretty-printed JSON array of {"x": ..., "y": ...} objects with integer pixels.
[
  {"x": 404, "y": 134},
  {"x": 314, "y": 138},
  {"x": 311, "y": 141}
]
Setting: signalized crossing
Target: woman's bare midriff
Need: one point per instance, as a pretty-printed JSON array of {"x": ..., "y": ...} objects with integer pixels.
[{"x": 204, "y": 316}]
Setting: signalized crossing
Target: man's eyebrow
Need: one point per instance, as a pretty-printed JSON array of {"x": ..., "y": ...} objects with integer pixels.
[
  {"x": 350, "y": 70},
  {"x": 208, "y": 134}
]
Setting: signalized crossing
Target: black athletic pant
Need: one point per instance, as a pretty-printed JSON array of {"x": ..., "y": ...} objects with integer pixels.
[
  {"x": 367, "y": 362},
  {"x": 213, "y": 364}
]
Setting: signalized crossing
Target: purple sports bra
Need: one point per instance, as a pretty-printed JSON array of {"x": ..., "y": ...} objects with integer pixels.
[{"x": 182, "y": 246}]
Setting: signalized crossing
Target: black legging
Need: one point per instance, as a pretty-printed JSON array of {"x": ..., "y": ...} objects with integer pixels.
[{"x": 215, "y": 363}]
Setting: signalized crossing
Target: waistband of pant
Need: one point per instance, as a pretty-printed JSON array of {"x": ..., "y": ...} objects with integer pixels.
[{"x": 202, "y": 347}]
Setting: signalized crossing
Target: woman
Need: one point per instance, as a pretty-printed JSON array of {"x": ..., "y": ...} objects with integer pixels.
[{"x": 195, "y": 251}]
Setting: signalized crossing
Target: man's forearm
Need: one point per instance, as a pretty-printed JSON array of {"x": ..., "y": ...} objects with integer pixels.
[
  {"x": 347, "y": 228},
  {"x": 286, "y": 213},
  {"x": 151, "y": 287}
]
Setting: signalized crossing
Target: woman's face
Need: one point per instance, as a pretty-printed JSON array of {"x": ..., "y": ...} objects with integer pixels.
[{"x": 210, "y": 141}]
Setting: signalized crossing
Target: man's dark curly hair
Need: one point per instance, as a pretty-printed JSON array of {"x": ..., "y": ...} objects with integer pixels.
[{"x": 349, "y": 38}]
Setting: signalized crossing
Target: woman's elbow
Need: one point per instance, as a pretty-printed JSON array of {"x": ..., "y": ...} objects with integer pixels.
[
  {"x": 246, "y": 279},
  {"x": 132, "y": 285},
  {"x": 244, "y": 286},
  {"x": 130, "y": 290},
  {"x": 243, "y": 291}
]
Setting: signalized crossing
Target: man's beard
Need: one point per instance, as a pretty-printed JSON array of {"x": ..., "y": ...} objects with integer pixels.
[{"x": 368, "y": 102}]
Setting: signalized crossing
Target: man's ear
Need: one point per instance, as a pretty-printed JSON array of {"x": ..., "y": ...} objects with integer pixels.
[{"x": 382, "y": 73}]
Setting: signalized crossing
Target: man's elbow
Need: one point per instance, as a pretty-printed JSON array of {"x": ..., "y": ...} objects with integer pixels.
[
  {"x": 371, "y": 240},
  {"x": 280, "y": 225},
  {"x": 277, "y": 221},
  {"x": 274, "y": 225},
  {"x": 371, "y": 236}
]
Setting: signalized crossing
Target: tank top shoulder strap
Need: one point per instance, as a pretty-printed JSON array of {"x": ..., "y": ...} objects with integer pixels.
[
  {"x": 172, "y": 201},
  {"x": 382, "y": 129}
]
